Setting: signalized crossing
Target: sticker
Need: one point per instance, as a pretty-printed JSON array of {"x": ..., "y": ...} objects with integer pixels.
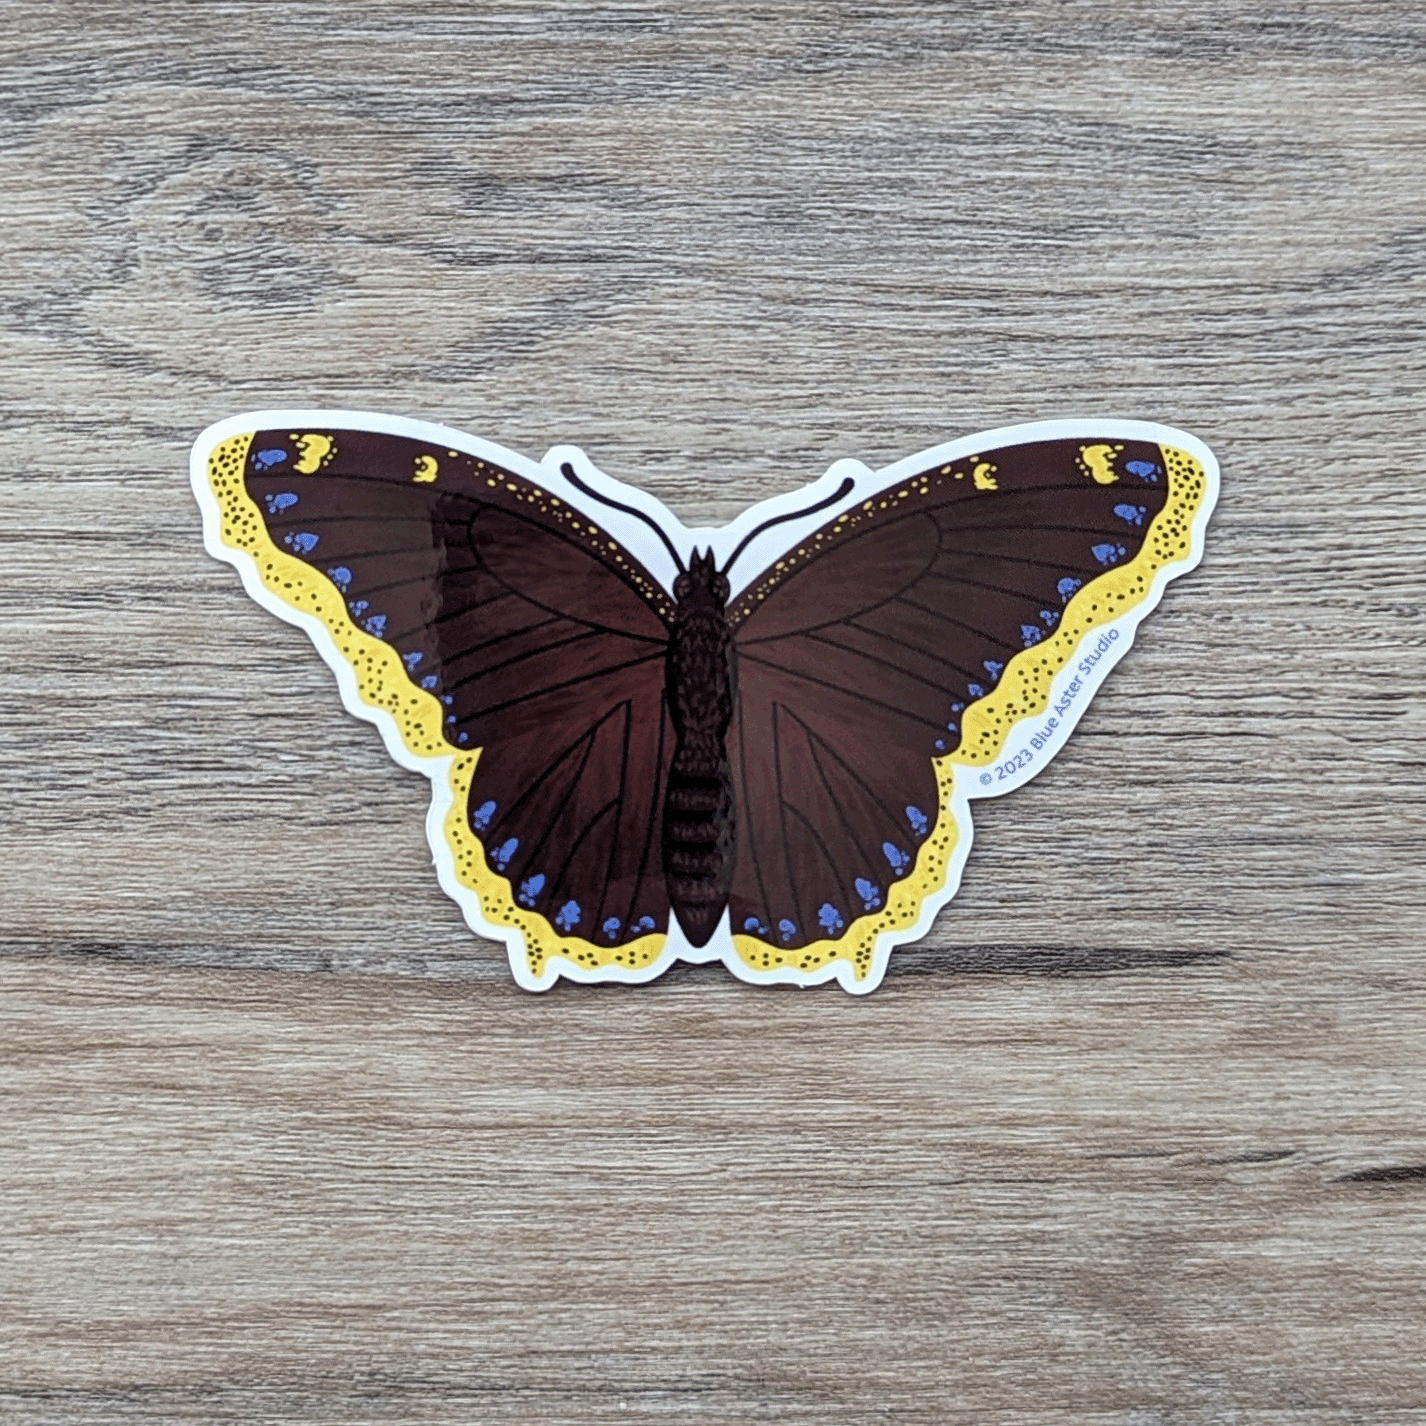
[{"x": 755, "y": 744}]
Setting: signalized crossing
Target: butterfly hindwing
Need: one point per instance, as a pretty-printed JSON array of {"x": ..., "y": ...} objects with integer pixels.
[
  {"x": 515, "y": 651},
  {"x": 902, "y": 641}
]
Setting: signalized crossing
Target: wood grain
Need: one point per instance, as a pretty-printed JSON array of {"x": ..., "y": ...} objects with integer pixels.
[{"x": 1136, "y": 1136}]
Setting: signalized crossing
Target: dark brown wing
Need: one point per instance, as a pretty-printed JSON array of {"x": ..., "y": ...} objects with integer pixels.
[
  {"x": 862, "y": 657},
  {"x": 541, "y": 641}
]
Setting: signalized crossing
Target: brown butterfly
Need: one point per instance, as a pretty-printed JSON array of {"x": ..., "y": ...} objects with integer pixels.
[{"x": 754, "y": 744}]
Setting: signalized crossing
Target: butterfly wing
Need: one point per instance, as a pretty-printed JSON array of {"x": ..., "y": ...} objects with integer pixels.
[
  {"x": 505, "y": 645},
  {"x": 887, "y": 665}
]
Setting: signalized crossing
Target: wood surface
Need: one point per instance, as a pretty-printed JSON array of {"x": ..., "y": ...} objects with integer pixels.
[{"x": 1135, "y": 1137}]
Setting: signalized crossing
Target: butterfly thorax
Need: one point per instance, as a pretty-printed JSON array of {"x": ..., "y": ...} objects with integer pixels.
[{"x": 698, "y": 821}]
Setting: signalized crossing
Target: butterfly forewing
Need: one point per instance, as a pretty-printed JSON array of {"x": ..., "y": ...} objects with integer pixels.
[
  {"x": 533, "y": 639},
  {"x": 865, "y": 650}
]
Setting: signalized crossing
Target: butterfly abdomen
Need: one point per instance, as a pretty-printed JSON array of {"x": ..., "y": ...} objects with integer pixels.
[
  {"x": 698, "y": 840},
  {"x": 698, "y": 813}
]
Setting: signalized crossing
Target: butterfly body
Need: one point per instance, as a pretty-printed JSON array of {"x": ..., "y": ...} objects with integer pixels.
[
  {"x": 638, "y": 755},
  {"x": 699, "y": 821}
]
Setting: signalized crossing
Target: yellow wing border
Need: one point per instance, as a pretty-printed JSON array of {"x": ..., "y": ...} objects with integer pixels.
[{"x": 1055, "y": 673}]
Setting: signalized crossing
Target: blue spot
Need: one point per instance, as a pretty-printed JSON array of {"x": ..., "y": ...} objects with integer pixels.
[
  {"x": 755, "y": 926},
  {"x": 644, "y": 923},
  {"x": 975, "y": 690},
  {"x": 480, "y": 818},
  {"x": 502, "y": 854},
  {"x": 917, "y": 818},
  {"x": 992, "y": 668},
  {"x": 950, "y": 727},
  {"x": 1031, "y": 634},
  {"x": 611, "y": 927},
  {"x": 568, "y": 917},
  {"x": 376, "y": 625},
  {"x": 263, "y": 459},
  {"x": 276, "y": 503},
  {"x": 463, "y": 739},
  {"x": 1134, "y": 514},
  {"x": 430, "y": 681},
  {"x": 1067, "y": 586},
  {"x": 869, "y": 893},
  {"x": 357, "y": 606},
  {"x": 342, "y": 577},
  {"x": 829, "y": 918},
  {"x": 895, "y": 857},
  {"x": 786, "y": 929},
  {"x": 957, "y": 707},
  {"x": 1050, "y": 617},
  {"x": 1145, "y": 470},
  {"x": 1108, "y": 554},
  {"x": 411, "y": 660},
  {"x": 450, "y": 718},
  {"x": 304, "y": 542},
  {"x": 447, "y": 699},
  {"x": 530, "y": 888},
  {"x": 940, "y": 745}
]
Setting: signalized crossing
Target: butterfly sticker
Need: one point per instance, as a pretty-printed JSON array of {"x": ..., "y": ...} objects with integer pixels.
[{"x": 755, "y": 744}]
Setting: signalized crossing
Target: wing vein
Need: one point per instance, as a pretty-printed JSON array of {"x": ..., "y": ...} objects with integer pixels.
[
  {"x": 875, "y": 797},
  {"x": 834, "y": 687},
  {"x": 425, "y": 577},
  {"x": 936, "y": 656},
  {"x": 1020, "y": 594},
  {"x": 586, "y": 739},
  {"x": 745, "y": 812},
  {"x": 525, "y": 654},
  {"x": 618, "y": 802},
  {"x": 655, "y": 809},
  {"x": 794, "y": 882},
  {"x": 993, "y": 639}
]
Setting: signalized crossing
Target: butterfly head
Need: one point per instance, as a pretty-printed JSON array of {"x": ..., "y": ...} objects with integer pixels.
[{"x": 702, "y": 583}]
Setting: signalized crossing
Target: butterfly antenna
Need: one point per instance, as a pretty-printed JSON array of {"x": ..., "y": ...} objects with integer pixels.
[
  {"x": 567, "y": 470},
  {"x": 747, "y": 539}
]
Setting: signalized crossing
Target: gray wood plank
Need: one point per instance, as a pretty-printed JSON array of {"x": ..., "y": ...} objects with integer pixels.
[{"x": 1135, "y": 1135}]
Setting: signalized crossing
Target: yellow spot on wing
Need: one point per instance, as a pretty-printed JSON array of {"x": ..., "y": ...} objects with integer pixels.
[
  {"x": 1098, "y": 463},
  {"x": 316, "y": 452},
  {"x": 426, "y": 468},
  {"x": 984, "y": 476}
]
